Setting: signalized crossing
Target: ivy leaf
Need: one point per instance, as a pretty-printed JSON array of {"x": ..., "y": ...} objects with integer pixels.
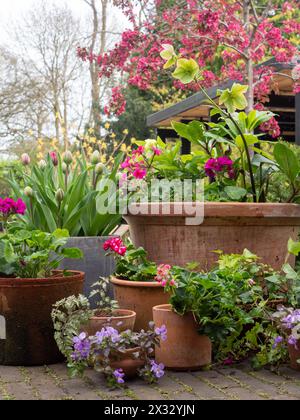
[
  {"x": 293, "y": 247},
  {"x": 234, "y": 98},
  {"x": 186, "y": 70}
]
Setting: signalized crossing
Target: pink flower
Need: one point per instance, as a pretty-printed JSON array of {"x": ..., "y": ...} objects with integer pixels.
[
  {"x": 164, "y": 276},
  {"x": 115, "y": 245},
  {"x": 139, "y": 173},
  {"x": 9, "y": 207},
  {"x": 220, "y": 165},
  {"x": 54, "y": 158},
  {"x": 156, "y": 151}
]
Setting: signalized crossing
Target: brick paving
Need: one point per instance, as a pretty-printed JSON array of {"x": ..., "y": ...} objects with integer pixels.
[{"x": 232, "y": 383}]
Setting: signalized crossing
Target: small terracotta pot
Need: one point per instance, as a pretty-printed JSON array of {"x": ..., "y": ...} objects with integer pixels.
[
  {"x": 184, "y": 348},
  {"x": 294, "y": 356},
  {"x": 26, "y": 327},
  {"x": 120, "y": 320},
  {"x": 128, "y": 363},
  {"x": 139, "y": 297}
]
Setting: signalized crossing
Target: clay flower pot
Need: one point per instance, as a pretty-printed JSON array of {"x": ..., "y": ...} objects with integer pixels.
[
  {"x": 184, "y": 348},
  {"x": 121, "y": 320},
  {"x": 294, "y": 356},
  {"x": 26, "y": 328},
  {"x": 139, "y": 297},
  {"x": 128, "y": 363},
  {"x": 263, "y": 228}
]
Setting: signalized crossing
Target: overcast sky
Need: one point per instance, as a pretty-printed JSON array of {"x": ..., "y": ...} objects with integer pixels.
[{"x": 11, "y": 8}]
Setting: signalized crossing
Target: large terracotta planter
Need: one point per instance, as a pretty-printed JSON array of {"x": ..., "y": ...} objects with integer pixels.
[
  {"x": 263, "y": 228},
  {"x": 184, "y": 348},
  {"x": 294, "y": 356},
  {"x": 121, "y": 320},
  {"x": 26, "y": 328},
  {"x": 139, "y": 297}
]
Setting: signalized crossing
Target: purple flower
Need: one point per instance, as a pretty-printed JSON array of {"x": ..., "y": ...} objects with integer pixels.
[
  {"x": 293, "y": 341},
  {"x": 219, "y": 165},
  {"x": 9, "y": 206},
  {"x": 157, "y": 369},
  {"x": 277, "y": 341},
  {"x": 82, "y": 347},
  {"x": 162, "y": 332},
  {"x": 107, "y": 332},
  {"x": 119, "y": 375}
]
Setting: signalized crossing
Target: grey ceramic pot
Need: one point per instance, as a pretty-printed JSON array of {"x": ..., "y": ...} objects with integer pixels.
[{"x": 94, "y": 263}]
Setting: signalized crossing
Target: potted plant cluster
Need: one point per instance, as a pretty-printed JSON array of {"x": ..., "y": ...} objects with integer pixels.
[
  {"x": 63, "y": 192},
  {"x": 30, "y": 283},
  {"x": 242, "y": 208},
  {"x": 134, "y": 281},
  {"x": 118, "y": 353},
  {"x": 232, "y": 307}
]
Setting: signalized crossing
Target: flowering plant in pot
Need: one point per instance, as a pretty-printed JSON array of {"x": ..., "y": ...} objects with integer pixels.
[
  {"x": 232, "y": 305},
  {"x": 288, "y": 322},
  {"x": 134, "y": 283},
  {"x": 74, "y": 314},
  {"x": 118, "y": 355},
  {"x": 237, "y": 169},
  {"x": 30, "y": 283},
  {"x": 64, "y": 191}
]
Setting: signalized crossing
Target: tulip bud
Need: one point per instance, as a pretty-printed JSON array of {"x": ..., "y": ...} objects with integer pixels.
[
  {"x": 95, "y": 158},
  {"x": 25, "y": 159},
  {"x": 59, "y": 195},
  {"x": 68, "y": 158},
  {"x": 28, "y": 192},
  {"x": 64, "y": 167},
  {"x": 42, "y": 164},
  {"x": 54, "y": 158},
  {"x": 99, "y": 168}
]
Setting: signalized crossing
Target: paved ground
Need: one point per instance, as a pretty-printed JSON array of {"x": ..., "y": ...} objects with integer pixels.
[{"x": 231, "y": 383}]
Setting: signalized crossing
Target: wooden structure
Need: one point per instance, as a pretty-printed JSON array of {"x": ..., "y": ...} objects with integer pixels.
[{"x": 284, "y": 103}]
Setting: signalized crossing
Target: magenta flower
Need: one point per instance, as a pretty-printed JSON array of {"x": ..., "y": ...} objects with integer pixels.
[
  {"x": 8, "y": 206},
  {"x": 157, "y": 151},
  {"x": 220, "y": 165},
  {"x": 139, "y": 173},
  {"x": 115, "y": 245}
]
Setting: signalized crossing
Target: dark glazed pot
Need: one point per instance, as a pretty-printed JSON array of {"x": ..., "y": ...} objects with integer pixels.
[{"x": 26, "y": 328}]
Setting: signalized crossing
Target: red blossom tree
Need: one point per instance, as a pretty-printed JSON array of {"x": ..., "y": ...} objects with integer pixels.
[{"x": 227, "y": 38}]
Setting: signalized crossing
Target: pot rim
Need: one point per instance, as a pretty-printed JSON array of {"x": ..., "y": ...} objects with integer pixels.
[
  {"x": 47, "y": 281},
  {"x": 130, "y": 283},
  {"x": 127, "y": 314},
  {"x": 167, "y": 307},
  {"x": 217, "y": 209}
]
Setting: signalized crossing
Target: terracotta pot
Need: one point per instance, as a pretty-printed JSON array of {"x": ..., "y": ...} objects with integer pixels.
[
  {"x": 263, "y": 228},
  {"x": 184, "y": 348},
  {"x": 26, "y": 328},
  {"x": 139, "y": 297},
  {"x": 121, "y": 320},
  {"x": 128, "y": 363},
  {"x": 294, "y": 356}
]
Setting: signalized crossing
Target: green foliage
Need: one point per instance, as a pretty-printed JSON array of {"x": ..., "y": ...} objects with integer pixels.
[
  {"x": 33, "y": 254},
  {"x": 233, "y": 304},
  {"x": 105, "y": 305},
  {"x": 65, "y": 197}
]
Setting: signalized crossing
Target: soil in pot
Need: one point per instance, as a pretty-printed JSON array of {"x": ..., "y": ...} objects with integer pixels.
[
  {"x": 128, "y": 363},
  {"x": 294, "y": 356},
  {"x": 139, "y": 297},
  {"x": 27, "y": 333},
  {"x": 121, "y": 320},
  {"x": 184, "y": 348}
]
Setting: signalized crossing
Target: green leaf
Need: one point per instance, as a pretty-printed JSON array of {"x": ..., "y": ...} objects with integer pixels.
[
  {"x": 287, "y": 161},
  {"x": 234, "y": 98},
  {"x": 235, "y": 193},
  {"x": 61, "y": 233},
  {"x": 194, "y": 131},
  {"x": 250, "y": 140},
  {"x": 186, "y": 70},
  {"x": 73, "y": 253},
  {"x": 293, "y": 247}
]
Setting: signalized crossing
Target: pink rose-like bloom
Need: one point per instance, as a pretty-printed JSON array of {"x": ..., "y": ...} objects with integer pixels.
[
  {"x": 139, "y": 173},
  {"x": 164, "y": 276},
  {"x": 115, "y": 245},
  {"x": 219, "y": 165},
  {"x": 8, "y": 206},
  {"x": 54, "y": 158}
]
